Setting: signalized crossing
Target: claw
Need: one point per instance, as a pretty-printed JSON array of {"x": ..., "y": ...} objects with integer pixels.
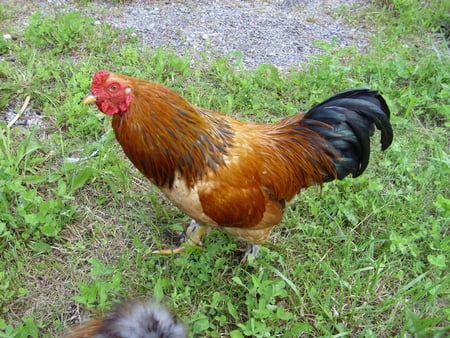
[
  {"x": 194, "y": 234},
  {"x": 250, "y": 254},
  {"x": 175, "y": 251},
  {"x": 178, "y": 250}
]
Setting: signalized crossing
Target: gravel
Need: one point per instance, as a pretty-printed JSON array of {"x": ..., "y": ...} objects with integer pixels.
[{"x": 279, "y": 32}]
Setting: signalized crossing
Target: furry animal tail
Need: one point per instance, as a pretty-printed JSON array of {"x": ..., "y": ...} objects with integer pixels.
[{"x": 146, "y": 319}]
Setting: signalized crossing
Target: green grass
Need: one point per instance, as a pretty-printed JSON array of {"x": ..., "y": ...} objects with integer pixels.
[{"x": 362, "y": 257}]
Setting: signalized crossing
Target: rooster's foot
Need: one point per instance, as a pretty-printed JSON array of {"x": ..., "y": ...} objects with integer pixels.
[
  {"x": 250, "y": 254},
  {"x": 194, "y": 234},
  {"x": 178, "y": 250},
  {"x": 175, "y": 251}
]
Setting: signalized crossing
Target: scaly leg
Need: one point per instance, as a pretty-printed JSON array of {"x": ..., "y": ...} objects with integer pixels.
[
  {"x": 194, "y": 234},
  {"x": 250, "y": 254},
  {"x": 254, "y": 238}
]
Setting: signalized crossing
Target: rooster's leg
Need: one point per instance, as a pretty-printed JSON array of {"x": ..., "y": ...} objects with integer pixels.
[
  {"x": 251, "y": 253},
  {"x": 194, "y": 234}
]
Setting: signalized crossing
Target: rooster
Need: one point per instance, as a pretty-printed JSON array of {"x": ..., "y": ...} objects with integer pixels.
[
  {"x": 133, "y": 319},
  {"x": 232, "y": 175}
]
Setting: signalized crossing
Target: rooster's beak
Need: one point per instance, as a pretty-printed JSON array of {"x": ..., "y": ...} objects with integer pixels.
[{"x": 90, "y": 98}]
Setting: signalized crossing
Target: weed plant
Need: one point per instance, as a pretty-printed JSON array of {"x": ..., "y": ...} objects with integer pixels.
[{"x": 364, "y": 257}]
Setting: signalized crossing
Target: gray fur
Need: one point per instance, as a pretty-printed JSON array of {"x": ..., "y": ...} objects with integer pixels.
[{"x": 141, "y": 320}]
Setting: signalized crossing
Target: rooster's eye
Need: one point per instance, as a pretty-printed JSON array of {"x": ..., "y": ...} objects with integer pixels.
[{"x": 113, "y": 87}]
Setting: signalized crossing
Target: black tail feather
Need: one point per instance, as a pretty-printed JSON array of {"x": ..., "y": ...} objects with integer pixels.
[{"x": 351, "y": 115}]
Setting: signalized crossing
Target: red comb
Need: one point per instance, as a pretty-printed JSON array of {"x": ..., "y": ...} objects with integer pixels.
[
  {"x": 98, "y": 81},
  {"x": 100, "y": 77}
]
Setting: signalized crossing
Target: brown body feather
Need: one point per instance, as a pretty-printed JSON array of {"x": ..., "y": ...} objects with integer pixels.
[
  {"x": 162, "y": 134},
  {"x": 223, "y": 172},
  {"x": 239, "y": 168}
]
